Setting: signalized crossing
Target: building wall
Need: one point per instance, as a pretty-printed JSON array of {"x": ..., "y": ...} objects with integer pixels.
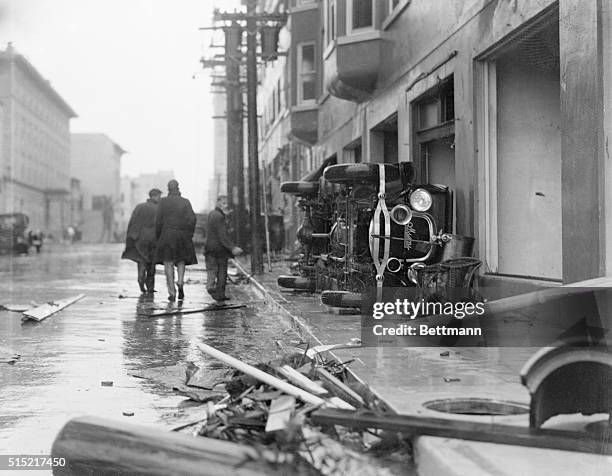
[
  {"x": 34, "y": 146},
  {"x": 550, "y": 152}
]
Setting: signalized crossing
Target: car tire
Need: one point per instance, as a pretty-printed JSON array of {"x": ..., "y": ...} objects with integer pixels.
[
  {"x": 296, "y": 282},
  {"x": 300, "y": 188},
  {"x": 343, "y": 299}
]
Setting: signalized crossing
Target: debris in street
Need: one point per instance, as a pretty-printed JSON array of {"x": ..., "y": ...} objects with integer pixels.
[
  {"x": 280, "y": 413},
  {"x": 8, "y": 356},
  {"x": 128, "y": 413},
  {"x": 106, "y": 383},
  {"x": 212, "y": 307},
  {"x": 452, "y": 379},
  {"x": 42, "y": 312},
  {"x": 467, "y": 430},
  {"x": 188, "y": 380},
  {"x": 445, "y": 353},
  {"x": 18, "y": 307},
  {"x": 94, "y": 446}
]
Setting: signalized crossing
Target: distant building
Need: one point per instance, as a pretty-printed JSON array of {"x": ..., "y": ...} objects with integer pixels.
[
  {"x": 34, "y": 146},
  {"x": 135, "y": 190},
  {"x": 96, "y": 162}
]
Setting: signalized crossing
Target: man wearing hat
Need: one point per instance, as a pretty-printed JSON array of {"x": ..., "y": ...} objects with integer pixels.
[
  {"x": 175, "y": 224},
  {"x": 140, "y": 240}
]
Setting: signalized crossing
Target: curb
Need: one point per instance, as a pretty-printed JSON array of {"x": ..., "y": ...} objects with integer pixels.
[{"x": 305, "y": 331}]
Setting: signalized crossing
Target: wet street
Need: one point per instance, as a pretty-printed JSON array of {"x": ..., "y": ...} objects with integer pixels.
[{"x": 104, "y": 337}]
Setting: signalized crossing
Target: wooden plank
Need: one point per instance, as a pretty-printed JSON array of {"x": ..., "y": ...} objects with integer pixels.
[
  {"x": 336, "y": 386},
  {"x": 98, "y": 446},
  {"x": 261, "y": 375},
  {"x": 42, "y": 312},
  {"x": 280, "y": 412},
  {"x": 193, "y": 311},
  {"x": 300, "y": 380},
  {"x": 304, "y": 382},
  {"x": 467, "y": 430}
]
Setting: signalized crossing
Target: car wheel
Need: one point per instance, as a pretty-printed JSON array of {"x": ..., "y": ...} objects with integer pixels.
[
  {"x": 296, "y": 282},
  {"x": 344, "y": 299},
  {"x": 300, "y": 188}
]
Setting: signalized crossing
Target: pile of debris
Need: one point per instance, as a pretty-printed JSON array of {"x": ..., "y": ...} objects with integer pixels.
[{"x": 267, "y": 407}]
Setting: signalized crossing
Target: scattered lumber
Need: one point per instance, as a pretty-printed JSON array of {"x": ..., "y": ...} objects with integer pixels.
[
  {"x": 334, "y": 385},
  {"x": 300, "y": 380},
  {"x": 94, "y": 445},
  {"x": 212, "y": 307},
  {"x": 313, "y": 351},
  {"x": 42, "y": 312},
  {"x": 8, "y": 356},
  {"x": 280, "y": 413},
  {"x": 261, "y": 375},
  {"x": 264, "y": 377},
  {"x": 466, "y": 430}
]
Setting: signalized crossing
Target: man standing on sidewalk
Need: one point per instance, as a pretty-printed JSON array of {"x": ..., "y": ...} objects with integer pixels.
[
  {"x": 140, "y": 240},
  {"x": 175, "y": 224},
  {"x": 218, "y": 249}
]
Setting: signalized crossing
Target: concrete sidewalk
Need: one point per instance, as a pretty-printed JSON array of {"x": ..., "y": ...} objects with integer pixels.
[{"x": 407, "y": 379}]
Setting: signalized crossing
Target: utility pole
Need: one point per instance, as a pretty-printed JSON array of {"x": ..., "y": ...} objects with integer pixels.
[
  {"x": 235, "y": 130},
  {"x": 268, "y": 24},
  {"x": 254, "y": 188}
]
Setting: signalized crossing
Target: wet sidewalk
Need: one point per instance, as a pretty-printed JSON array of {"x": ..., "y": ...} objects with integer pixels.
[{"x": 412, "y": 379}]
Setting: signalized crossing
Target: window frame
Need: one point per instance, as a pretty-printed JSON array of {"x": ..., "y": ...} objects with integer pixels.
[
  {"x": 328, "y": 36},
  {"x": 349, "y": 18},
  {"x": 300, "y": 101}
]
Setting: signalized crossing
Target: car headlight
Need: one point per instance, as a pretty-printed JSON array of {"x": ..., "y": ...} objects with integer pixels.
[{"x": 421, "y": 200}]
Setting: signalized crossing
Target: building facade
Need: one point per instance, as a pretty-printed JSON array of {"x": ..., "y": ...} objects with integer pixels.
[
  {"x": 96, "y": 163},
  {"x": 506, "y": 101},
  {"x": 34, "y": 146},
  {"x": 287, "y": 104}
]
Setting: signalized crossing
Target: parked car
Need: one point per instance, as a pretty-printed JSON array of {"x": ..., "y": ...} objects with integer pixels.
[
  {"x": 13, "y": 237},
  {"x": 378, "y": 229}
]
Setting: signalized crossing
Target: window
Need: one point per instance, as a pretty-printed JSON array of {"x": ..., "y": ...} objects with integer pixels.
[
  {"x": 360, "y": 14},
  {"x": 330, "y": 21},
  {"x": 307, "y": 73}
]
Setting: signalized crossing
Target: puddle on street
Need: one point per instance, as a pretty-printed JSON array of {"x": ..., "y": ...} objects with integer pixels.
[{"x": 65, "y": 358}]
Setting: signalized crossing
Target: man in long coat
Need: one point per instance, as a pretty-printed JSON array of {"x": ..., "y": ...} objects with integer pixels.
[
  {"x": 218, "y": 249},
  {"x": 175, "y": 225},
  {"x": 140, "y": 240}
]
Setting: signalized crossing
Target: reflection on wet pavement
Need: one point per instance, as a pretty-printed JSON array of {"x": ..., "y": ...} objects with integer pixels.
[{"x": 65, "y": 358}]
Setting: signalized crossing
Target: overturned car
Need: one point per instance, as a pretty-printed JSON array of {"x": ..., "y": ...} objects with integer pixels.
[{"x": 367, "y": 225}]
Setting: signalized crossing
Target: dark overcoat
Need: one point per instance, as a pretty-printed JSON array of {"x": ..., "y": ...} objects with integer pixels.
[
  {"x": 218, "y": 243},
  {"x": 175, "y": 224},
  {"x": 140, "y": 238}
]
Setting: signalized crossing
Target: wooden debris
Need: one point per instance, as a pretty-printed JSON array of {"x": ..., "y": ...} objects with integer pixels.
[
  {"x": 467, "y": 430},
  {"x": 8, "y": 356},
  {"x": 280, "y": 413},
  {"x": 261, "y": 375},
  {"x": 42, "y": 312},
  {"x": 17, "y": 307},
  {"x": 198, "y": 394},
  {"x": 92, "y": 445},
  {"x": 212, "y": 307},
  {"x": 313, "y": 351},
  {"x": 334, "y": 385},
  {"x": 300, "y": 380}
]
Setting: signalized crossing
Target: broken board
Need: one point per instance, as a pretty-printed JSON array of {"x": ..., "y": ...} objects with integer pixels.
[
  {"x": 279, "y": 416},
  {"x": 42, "y": 312},
  {"x": 212, "y": 307}
]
